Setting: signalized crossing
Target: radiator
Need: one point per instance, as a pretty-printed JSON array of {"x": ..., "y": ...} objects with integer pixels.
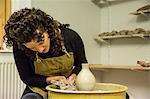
[{"x": 11, "y": 87}]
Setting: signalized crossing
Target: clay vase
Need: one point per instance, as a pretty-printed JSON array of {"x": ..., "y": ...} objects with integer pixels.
[{"x": 85, "y": 80}]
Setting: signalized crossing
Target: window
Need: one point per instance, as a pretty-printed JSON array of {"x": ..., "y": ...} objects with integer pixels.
[{"x": 5, "y": 11}]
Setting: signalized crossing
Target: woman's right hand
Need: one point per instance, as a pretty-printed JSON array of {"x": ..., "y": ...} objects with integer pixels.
[{"x": 59, "y": 78}]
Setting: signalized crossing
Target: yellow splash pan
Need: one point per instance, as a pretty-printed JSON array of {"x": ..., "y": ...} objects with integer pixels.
[{"x": 101, "y": 91}]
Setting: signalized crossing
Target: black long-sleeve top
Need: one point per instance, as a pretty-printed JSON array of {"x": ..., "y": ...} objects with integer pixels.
[{"x": 25, "y": 63}]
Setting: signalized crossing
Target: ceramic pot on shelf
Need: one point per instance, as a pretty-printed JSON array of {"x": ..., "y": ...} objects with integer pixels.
[{"x": 85, "y": 80}]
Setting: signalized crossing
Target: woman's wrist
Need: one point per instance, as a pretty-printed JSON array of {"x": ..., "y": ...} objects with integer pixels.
[{"x": 48, "y": 80}]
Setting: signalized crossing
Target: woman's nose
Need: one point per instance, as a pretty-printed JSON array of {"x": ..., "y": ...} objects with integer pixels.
[{"x": 40, "y": 49}]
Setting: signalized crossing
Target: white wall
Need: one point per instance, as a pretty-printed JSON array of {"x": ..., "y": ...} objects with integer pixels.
[
  {"x": 18, "y": 4},
  {"x": 118, "y": 17}
]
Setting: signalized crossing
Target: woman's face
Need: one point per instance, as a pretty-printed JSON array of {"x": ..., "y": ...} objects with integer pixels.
[{"x": 42, "y": 46}]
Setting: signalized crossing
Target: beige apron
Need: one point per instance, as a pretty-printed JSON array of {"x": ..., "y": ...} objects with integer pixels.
[{"x": 54, "y": 66}]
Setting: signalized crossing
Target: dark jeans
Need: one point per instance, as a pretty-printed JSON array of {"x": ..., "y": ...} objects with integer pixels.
[
  {"x": 32, "y": 96},
  {"x": 127, "y": 96},
  {"x": 29, "y": 94}
]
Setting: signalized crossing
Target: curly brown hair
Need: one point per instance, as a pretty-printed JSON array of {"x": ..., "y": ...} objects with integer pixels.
[{"x": 22, "y": 27}]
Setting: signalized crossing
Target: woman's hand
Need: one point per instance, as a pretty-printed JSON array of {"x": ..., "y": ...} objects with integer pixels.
[
  {"x": 71, "y": 79},
  {"x": 59, "y": 78}
]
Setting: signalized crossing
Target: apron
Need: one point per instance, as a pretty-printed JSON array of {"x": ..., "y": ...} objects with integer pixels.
[{"x": 55, "y": 66}]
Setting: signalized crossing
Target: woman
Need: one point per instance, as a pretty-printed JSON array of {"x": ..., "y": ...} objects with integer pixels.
[{"x": 44, "y": 50}]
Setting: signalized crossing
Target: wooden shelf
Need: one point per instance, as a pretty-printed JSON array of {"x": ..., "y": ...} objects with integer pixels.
[
  {"x": 124, "y": 67},
  {"x": 125, "y": 36},
  {"x": 105, "y": 38}
]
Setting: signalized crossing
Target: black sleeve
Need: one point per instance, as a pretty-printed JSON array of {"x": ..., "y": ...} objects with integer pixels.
[
  {"x": 26, "y": 69},
  {"x": 78, "y": 50}
]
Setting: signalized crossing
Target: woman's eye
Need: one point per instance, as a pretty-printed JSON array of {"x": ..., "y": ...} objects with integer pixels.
[{"x": 41, "y": 42}]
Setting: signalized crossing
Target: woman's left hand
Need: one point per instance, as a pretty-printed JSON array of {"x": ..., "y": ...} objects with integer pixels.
[{"x": 71, "y": 79}]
